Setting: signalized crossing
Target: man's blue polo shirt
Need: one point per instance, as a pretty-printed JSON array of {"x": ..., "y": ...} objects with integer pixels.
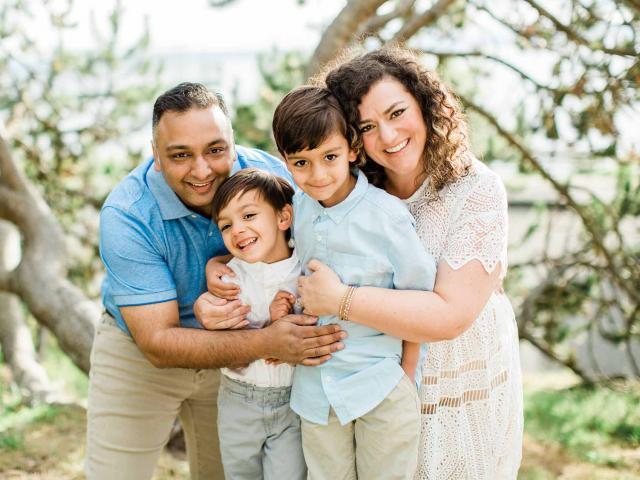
[{"x": 154, "y": 248}]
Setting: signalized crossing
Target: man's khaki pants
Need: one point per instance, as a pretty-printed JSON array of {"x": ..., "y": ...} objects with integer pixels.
[{"x": 132, "y": 408}]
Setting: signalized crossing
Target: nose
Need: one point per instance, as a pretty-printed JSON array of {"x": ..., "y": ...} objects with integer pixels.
[
  {"x": 386, "y": 132},
  {"x": 200, "y": 169},
  {"x": 237, "y": 228},
  {"x": 317, "y": 173}
]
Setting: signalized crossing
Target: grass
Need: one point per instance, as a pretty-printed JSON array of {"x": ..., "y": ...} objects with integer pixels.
[
  {"x": 62, "y": 372},
  {"x": 580, "y": 432},
  {"x": 592, "y": 423}
]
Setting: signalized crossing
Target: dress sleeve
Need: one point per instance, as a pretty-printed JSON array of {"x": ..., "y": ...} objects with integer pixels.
[{"x": 479, "y": 230}]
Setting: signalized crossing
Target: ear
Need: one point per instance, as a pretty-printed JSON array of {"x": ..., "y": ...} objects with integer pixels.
[
  {"x": 156, "y": 157},
  {"x": 285, "y": 217},
  {"x": 353, "y": 155}
]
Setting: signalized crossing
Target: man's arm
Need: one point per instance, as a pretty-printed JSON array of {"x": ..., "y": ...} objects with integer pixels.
[{"x": 156, "y": 330}]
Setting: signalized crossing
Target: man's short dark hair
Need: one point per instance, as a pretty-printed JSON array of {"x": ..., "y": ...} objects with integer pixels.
[
  {"x": 306, "y": 117},
  {"x": 274, "y": 190},
  {"x": 186, "y": 96}
]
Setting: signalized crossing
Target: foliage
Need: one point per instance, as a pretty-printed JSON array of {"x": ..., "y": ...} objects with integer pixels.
[
  {"x": 252, "y": 121},
  {"x": 585, "y": 419},
  {"x": 571, "y": 74},
  {"x": 68, "y": 114}
]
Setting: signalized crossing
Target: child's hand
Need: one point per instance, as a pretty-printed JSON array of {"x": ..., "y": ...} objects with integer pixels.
[
  {"x": 409, "y": 370},
  {"x": 281, "y": 305},
  {"x": 214, "y": 271}
]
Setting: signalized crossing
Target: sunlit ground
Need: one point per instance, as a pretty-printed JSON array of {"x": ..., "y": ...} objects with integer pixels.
[{"x": 572, "y": 431}]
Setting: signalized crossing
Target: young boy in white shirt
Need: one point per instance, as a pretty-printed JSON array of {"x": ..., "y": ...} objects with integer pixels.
[
  {"x": 359, "y": 411},
  {"x": 259, "y": 434}
]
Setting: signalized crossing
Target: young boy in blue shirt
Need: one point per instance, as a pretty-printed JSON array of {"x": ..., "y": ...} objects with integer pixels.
[{"x": 360, "y": 410}]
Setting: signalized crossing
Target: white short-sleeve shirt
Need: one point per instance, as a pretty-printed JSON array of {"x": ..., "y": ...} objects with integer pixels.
[{"x": 259, "y": 283}]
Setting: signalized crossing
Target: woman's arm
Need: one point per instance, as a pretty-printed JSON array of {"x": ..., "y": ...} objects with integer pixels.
[{"x": 456, "y": 301}]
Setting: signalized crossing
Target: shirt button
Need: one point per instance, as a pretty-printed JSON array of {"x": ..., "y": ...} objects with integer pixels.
[
  {"x": 210, "y": 233},
  {"x": 319, "y": 237},
  {"x": 194, "y": 216},
  {"x": 329, "y": 379}
]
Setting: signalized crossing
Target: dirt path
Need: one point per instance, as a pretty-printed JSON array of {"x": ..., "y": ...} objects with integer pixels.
[{"x": 52, "y": 448}]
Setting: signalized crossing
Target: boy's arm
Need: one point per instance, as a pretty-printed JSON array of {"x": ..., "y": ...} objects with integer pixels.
[{"x": 410, "y": 355}]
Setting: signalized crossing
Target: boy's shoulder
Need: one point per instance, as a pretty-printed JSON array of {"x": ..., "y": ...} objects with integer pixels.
[{"x": 386, "y": 204}]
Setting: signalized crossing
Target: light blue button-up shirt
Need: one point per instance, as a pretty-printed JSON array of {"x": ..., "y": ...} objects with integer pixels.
[
  {"x": 154, "y": 248},
  {"x": 367, "y": 239}
]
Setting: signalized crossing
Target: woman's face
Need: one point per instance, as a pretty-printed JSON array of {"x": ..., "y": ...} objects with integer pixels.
[{"x": 393, "y": 129}]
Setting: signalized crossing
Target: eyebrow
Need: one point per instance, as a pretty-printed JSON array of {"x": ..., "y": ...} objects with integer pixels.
[
  {"x": 187, "y": 147},
  {"x": 387, "y": 111},
  {"x": 293, "y": 157}
]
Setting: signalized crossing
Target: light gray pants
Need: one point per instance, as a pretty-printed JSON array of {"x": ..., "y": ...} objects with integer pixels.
[{"x": 259, "y": 434}]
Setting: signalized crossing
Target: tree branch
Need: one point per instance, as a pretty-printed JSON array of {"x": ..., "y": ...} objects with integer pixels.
[
  {"x": 9, "y": 174},
  {"x": 575, "y": 36},
  {"x": 563, "y": 191},
  {"x": 402, "y": 10},
  {"x": 493, "y": 58},
  {"x": 339, "y": 34},
  {"x": 411, "y": 27}
]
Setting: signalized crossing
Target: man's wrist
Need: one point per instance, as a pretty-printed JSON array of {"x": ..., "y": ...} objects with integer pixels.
[{"x": 262, "y": 343}]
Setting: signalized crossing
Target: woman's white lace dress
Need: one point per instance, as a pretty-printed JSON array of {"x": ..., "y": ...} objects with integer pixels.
[{"x": 471, "y": 391}]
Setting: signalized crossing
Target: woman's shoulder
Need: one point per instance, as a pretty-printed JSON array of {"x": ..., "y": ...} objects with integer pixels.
[{"x": 479, "y": 178}]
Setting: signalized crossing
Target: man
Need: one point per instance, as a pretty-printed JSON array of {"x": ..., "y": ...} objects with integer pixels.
[{"x": 151, "y": 360}]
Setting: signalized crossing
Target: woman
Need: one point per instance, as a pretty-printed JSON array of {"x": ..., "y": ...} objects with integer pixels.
[{"x": 416, "y": 144}]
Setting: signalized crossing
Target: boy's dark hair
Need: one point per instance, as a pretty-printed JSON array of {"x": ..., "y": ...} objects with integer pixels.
[
  {"x": 183, "y": 97},
  {"x": 276, "y": 191},
  {"x": 306, "y": 117}
]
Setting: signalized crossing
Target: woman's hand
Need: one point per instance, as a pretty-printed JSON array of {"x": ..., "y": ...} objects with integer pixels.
[
  {"x": 216, "y": 268},
  {"x": 321, "y": 291}
]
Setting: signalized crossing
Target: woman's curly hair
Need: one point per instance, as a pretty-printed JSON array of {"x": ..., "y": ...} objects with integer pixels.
[{"x": 444, "y": 158}]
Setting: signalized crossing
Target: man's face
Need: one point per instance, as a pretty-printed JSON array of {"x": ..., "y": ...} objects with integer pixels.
[{"x": 194, "y": 150}]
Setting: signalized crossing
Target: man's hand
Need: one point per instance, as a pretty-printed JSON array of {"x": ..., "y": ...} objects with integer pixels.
[
  {"x": 294, "y": 339},
  {"x": 219, "y": 314},
  {"x": 214, "y": 272},
  {"x": 281, "y": 305}
]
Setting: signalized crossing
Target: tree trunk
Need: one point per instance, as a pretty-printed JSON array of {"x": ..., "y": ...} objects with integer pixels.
[
  {"x": 40, "y": 277},
  {"x": 342, "y": 32},
  {"x": 19, "y": 352},
  {"x": 15, "y": 337}
]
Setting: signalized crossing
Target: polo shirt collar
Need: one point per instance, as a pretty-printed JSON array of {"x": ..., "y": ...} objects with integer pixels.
[
  {"x": 171, "y": 207},
  {"x": 339, "y": 211}
]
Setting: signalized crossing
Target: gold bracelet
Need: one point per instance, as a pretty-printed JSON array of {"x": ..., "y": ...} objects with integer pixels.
[{"x": 345, "y": 303}]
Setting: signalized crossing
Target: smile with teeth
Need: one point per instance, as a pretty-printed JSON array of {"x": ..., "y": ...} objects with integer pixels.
[
  {"x": 247, "y": 242},
  {"x": 200, "y": 186},
  {"x": 398, "y": 147}
]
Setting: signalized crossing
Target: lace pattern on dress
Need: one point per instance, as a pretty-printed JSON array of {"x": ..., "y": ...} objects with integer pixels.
[{"x": 471, "y": 392}]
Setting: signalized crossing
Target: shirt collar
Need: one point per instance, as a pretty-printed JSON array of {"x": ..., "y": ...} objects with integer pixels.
[
  {"x": 339, "y": 211},
  {"x": 171, "y": 207},
  {"x": 276, "y": 271}
]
